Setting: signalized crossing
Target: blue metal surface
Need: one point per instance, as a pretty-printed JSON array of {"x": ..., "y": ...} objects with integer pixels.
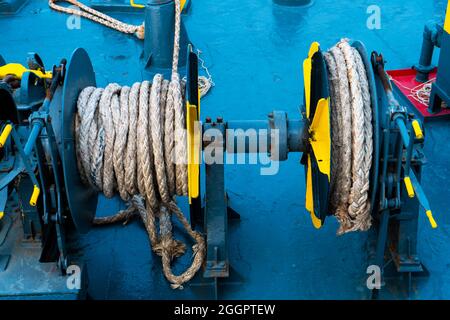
[
  {"x": 432, "y": 36},
  {"x": 255, "y": 61},
  {"x": 11, "y": 6},
  {"x": 158, "y": 42},
  {"x": 440, "y": 91},
  {"x": 293, "y": 2},
  {"x": 36, "y": 282},
  {"x": 123, "y": 6}
]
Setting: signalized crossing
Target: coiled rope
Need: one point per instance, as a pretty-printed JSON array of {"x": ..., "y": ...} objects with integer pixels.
[
  {"x": 133, "y": 140},
  {"x": 352, "y": 138}
]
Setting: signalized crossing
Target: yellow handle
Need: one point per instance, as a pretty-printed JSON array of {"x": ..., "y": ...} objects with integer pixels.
[
  {"x": 409, "y": 187},
  {"x": 18, "y": 70},
  {"x": 5, "y": 134},
  {"x": 135, "y": 5},
  {"x": 35, "y": 195},
  {"x": 417, "y": 129},
  {"x": 431, "y": 219}
]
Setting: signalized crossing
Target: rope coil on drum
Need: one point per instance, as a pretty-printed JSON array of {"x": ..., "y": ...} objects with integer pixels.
[
  {"x": 352, "y": 137},
  {"x": 133, "y": 140}
]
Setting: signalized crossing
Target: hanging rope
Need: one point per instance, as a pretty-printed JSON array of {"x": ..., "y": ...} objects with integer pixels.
[
  {"x": 204, "y": 83},
  {"x": 352, "y": 132},
  {"x": 96, "y": 16},
  {"x": 133, "y": 141}
]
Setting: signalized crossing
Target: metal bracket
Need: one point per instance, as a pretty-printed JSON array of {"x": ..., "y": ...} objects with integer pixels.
[{"x": 217, "y": 270}]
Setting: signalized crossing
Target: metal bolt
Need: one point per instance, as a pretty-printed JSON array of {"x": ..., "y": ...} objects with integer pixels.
[
  {"x": 219, "y": 119},
  {"x": 208, "y": 120}
]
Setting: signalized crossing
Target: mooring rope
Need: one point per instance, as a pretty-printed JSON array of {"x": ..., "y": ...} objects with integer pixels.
[
  {"x": 352, "y": 134},
  {"x": 204, "y": 83},
  {"x": 96, "y": 16},
  {"x": 133, "y": 140}
]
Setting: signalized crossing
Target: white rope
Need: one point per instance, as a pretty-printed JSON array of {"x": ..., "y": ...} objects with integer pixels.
[
  {"x": 133, "y": 141},
  {"x": 96, "y": 16},
  {"x": 352, "y": 133},
  {"x": 420, "y": 93},
  {"x": 204, "y": 83}
]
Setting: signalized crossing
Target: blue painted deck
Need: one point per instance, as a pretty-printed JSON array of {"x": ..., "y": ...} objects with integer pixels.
[{"x": 254, "y": 50}]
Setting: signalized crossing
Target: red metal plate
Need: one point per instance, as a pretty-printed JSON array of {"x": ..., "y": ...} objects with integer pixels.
[{"x": 405, "y": 79}]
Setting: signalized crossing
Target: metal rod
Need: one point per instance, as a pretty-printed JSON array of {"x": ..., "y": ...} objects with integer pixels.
[
  {"x": 403, "y": 130},
  {"x": 35, "y": 130},
  {"x": 254, "y": 136},
  {"x": 432, "y": 35}
]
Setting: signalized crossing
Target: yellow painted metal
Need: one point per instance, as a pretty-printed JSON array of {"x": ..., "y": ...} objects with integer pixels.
[
  {"x": 320, "y": 136},
  {"x": 431, "y": 219},
  {"x": 35, "y": 195},
  {"x": 417, "y": 129},
  {"x": 136, "y": 5},
  {"x": 409, "y": 186},
  {"x": 5, "y": 134},
  {"x": 18, "y": 70},
  {"x": 193, "y": 148},
  {"x": 307, "y": 67},
  {"x": 447, "y": 19},
  {"x": 309, "y": 202},
  {"x": 141, "y": 6},
  {"x": 2, "y": 214}
]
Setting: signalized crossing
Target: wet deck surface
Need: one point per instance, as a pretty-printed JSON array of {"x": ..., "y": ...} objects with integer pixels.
[{"x": 254, "y": 50}]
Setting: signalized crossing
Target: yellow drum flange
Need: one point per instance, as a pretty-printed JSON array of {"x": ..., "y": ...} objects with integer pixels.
[
  {"x": 193, "y": 148},
  {"x": 193, "y": 126},
  {"x": 319, "y": 136}
]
